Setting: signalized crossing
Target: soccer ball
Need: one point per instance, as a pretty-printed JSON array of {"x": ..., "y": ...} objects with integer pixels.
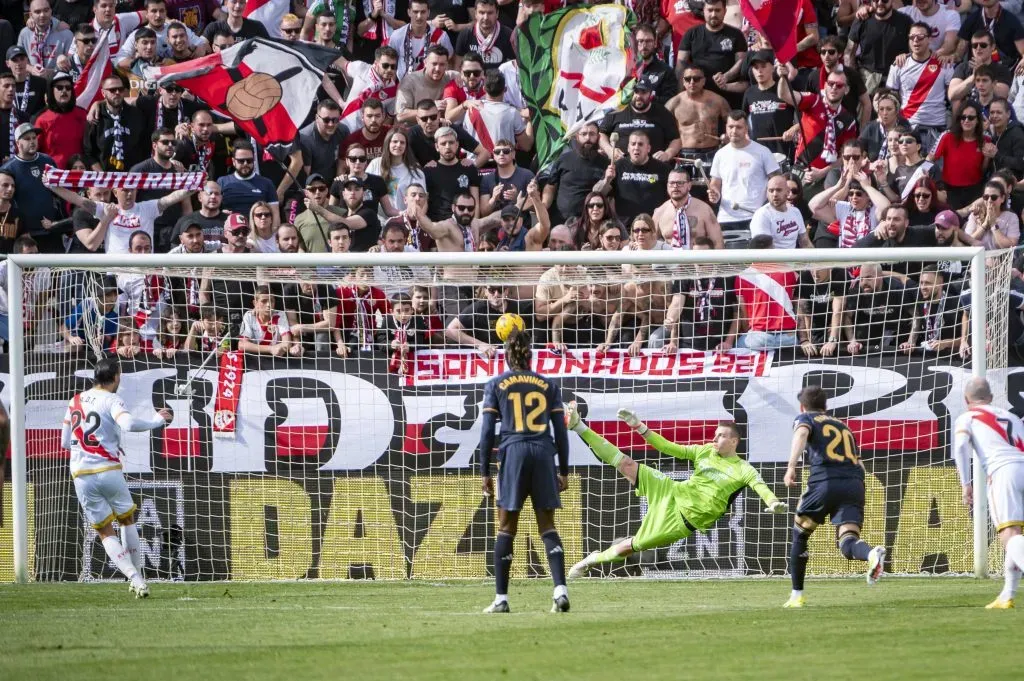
[
  {"x": 253, "y": 97},
  {"x": 507, "y": 322}
]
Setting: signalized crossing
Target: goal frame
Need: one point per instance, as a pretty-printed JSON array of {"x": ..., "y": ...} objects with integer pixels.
[{"x": 18, "y": 262}]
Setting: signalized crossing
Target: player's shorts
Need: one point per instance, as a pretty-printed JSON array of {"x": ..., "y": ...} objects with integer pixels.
[
  {"x": 840, "y": 498},
  {"x": 663, "y": 524},
  {"x": 1006, "y": 496},
  {"x": 527, "y": 469},
  {"x": 104, "y": 497}
]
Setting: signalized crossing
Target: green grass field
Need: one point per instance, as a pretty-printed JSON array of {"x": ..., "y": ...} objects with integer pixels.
[{"x": 618, "y": 629}]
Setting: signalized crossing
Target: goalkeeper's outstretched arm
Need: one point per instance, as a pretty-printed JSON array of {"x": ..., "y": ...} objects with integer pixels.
[{"x": 687, "y": 452}]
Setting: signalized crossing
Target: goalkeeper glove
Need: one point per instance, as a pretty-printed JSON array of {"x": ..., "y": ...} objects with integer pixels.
[
  {"x": 778, "y": 507},
  {"x": 633, "y": 421}
]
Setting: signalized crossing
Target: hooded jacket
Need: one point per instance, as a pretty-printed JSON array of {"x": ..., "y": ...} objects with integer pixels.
[{"x": 63, "y": 128}]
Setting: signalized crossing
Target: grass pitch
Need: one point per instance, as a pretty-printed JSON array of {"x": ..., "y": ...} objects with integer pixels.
[{"x": 618, "y": 629}]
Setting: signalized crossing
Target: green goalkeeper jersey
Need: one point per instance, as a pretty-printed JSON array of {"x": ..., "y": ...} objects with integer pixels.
[{"x": 714, "y": 483}]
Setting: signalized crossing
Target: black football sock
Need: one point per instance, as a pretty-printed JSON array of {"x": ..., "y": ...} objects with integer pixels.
[
  {"x": 556, "y": 556},
  {"x": 502, "y": 562},
  {"x": 798, "y": 558}
]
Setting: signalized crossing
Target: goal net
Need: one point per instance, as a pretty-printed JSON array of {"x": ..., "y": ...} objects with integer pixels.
[{"x": 326, "y": 409}]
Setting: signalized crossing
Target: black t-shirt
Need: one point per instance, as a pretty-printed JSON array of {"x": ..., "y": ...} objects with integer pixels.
[
  {"x": 768, "y": 116},
  {"x": 574, "y": 178},
  {"x": 374, "y": 187},
  {"x": 213, "y": 228},
  {"x": 234, "y": 298},
  {"x": 1007, "y": 29},
  {"x": 456, "y": 10},
  {"x": 30, "y": 96},
  {"x": 82, "y": 219},
  {"x": 500, "y": 53},
  {"x": 657, "y": 122},
  {"x": 638, "y": 189},
  {"x": 939, "y": 319},
  {"x": 1003, "y": 74},
  {"x": 713, "y": 52},
  {"x": 164, "y": 222},
  {"x": 479, "y": 318},
  {"x": 915, "y": 236},
  {"x": 709, "y": 305},
  {"x": 890, "y": 308},
  {"x": 363, "y": 239},
  {"x": 250, "y": 29},
  {"x": 73, "y": 13},
  {"x": 309, "y": 308},
  {"x": 881, "y": 41},
  {"x": 424, "y": 149},
  {"x": 815, "y": 299},
  {"x": 157, "y": 116},
  {"x": 444, "y": 183}
]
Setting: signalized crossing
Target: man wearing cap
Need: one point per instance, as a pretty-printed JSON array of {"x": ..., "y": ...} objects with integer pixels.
[
  {"x": 948, "y": 235},
  {"x": 313, "y": 222},
  {"x": 513, "y": 233},
  {"x": 188, "y": 239},
  {"x": 767, "y": 114},
  {"x": 62, "y": 125},
  {"x": 658, "y": 75},
  {"x": 29, "y": 90},
  {"x": 209, "y": 217},
  {"x": 361, "y": 220},
  {"x": 508, "y": 181},
  {"x": 45, "y": 41},
  {"x": 645, "y": 112},
  {"x": 36, "y": 206}
]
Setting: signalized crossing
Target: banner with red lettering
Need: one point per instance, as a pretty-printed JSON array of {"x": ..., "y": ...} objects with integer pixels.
[
  {"x": 229, "y": 392},
  {"x": 83, "y": 179}
]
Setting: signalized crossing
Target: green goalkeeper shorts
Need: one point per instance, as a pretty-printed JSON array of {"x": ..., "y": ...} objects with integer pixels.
[{"x": 663, "y": 524}]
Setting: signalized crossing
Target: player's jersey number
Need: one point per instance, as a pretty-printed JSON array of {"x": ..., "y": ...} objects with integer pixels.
[
  {"x": 527, "y": 411},
  {"x": 840, "y": 446},
  {"x": 92, "y": 424}
]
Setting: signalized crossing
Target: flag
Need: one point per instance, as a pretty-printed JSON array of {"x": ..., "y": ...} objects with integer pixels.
[
  {"x": 585, "y": 76},
  {"x": 777, "y": 21},
  {"x": 98, "y": 67},
  {"x": 268, "y": 13},
  {"x": 267, "y": 87}
]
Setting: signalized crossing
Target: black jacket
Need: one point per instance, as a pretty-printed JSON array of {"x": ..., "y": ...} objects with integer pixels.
[
  {"x": 99, "y": 142},
  {"x": 1010, "y": 150}
]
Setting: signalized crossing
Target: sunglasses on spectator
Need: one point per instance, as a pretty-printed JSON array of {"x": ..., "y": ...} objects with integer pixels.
[
  {"x": 693, "y": 79},
  {"x": 472, "y": 72},
  {"x": 836, "y": 84},
  {"x": 329, "y": 120},
  {"x": 172, "y": 89},
  {"x": 852, "y": 157},
  {"x": 463, "y": 209},
  {"x": 922, "y": 195},
  {"x": 968, "y": 117},
  {"x": 261, "y": 216},
  {"x": 62, "y": 88},
  {"x": 992, "y": 197},
  {"x": 243, "y": 160},
  {"x": 388, "y": 66},
  {"x": 595, "y": 205},
  {"x": 501, "y": 151},
  {"x": 243, "y": 231},
  {"x": 427, "y": 119},
  {"x": 291, "y": 31},
  {"x": 916, "y": 37},
  {"x": 169, "y": 142},
  {"x": 642, "y": 230},
  {"x": 854, "y": 193},
  {"x": 908, "y": 140},
  {"x": 87, "y": 41},
  {"x": 356, "y": 159},
  {"x": 115, "y": 89},
  {"x": 980, "y": 46},
  {"x": 614, "y": 236},
  {"x": 829, "y": 51},
  {"x": 317, "y": 188}
]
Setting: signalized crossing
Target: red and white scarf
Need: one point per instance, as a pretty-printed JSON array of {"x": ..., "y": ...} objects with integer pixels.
[
  {"x": 378, "y": 88},
  {"x": 400, "y": 362},
  {"x": 484, "y": 45},
  {"x": 681, "y": 236},
  {"x": 83, "y": 179},
  {"x": 229, "y": 393},
  {"x": 829, "y": 153},
  {"x": 380, "y": 29},
  {"x": 415, "y": 62}
]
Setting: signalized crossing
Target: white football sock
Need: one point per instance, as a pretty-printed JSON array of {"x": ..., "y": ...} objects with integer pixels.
[
  {"x": 1013, "y": 566},
  {"x": 796, "y": 593},
  {"x": 119, "y": 555},
  {"x": 561, "y": 590},
  {"x": 130, "y": 541},
  {"x": 501, "y": 598}
]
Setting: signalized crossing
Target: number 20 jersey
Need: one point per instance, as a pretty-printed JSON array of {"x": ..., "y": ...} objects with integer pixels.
[
  {"x": 831, "y": 449},
  {"x": 91, "y": 432}
]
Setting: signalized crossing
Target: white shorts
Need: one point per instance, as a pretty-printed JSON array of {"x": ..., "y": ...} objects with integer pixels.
[
  {"x": 104, "y": 497},
  {"x": 1006, "y": 496}
]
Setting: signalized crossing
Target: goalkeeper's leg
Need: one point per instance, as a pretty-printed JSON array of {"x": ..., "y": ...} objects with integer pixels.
[{"x": 603, "y": 450}]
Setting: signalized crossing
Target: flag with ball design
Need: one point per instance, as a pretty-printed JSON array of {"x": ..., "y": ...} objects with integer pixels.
[{"x": 267, "y": 87}]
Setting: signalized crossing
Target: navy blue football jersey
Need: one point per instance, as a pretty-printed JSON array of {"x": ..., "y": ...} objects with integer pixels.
[
  {"x": 831, "y": 448},
  {"x": 525, "y": 402}
]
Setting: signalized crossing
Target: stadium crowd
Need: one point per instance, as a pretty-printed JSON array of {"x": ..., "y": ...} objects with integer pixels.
[{"x": 893, "y": 127}]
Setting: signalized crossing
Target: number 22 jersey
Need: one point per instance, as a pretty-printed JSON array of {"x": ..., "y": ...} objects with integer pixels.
[{"x": 91, "y": 432}]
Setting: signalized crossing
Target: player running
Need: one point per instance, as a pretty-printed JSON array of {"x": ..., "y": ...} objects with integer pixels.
[
  {"x": 997, "y": 438},
  {"x": 675, "y": 509},
  {"x": 529, "y": 406},
  {"x": 92, "y": 432},
  {"x": 835, "y": 488}
]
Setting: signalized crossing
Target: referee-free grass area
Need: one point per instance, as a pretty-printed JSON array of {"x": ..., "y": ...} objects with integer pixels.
[{"x": 618, "y": 629}]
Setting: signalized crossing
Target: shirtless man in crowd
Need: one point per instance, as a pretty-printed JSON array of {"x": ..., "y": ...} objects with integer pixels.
[
  {"x": 701, "y": 115},
  {"x": 700, "y": 219}
]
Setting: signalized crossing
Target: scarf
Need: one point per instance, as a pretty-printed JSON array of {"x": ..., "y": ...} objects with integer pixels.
[
  {"x": 116, "y": 160},
  {"x": 703, "y": 310},
  {"x": 415, "y": 234},
  {"x": 39, "y": 47},
  {"x": 364, "y": 319},
  {"x": 485, "y": 45},
  {"x": 400, "y": 363},
  {"x": 856, "y": 224},
  {"x": 681, "y": 236},
  {"x": 933, "y": 320},
  {"x": 829, "y": 153},
  {"x": 385, "y": 92},
  {"x": 204, "y": 151},
  {"x": 82, "y": 179},
  {"x": 380, "y": 29},
  {"x": 415, "y": 63},
  {"x": 883, "y": 151},
  {"x": 13, "y": 126},
  {"x": 343, "y": 16},
  {"x": 24, "y": 94},
  {"x": 152, "y": 290},
  {"x": 468, "y": 243}
]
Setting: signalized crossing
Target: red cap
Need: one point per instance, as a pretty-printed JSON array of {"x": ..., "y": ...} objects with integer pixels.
[{"x": 235, "y": 221}]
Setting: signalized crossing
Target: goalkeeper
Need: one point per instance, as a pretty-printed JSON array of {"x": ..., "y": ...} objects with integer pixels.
[{"x": 675, "y": 509}]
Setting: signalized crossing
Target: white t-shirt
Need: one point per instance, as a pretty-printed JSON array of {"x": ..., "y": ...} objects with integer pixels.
[
  {"x": 417, "y": 48},
  {"x": 365, "y": 85},
  {"x": 497, "y": 121},
  {"x": 139, "y": 216},
  {"x": 513, "y": 90},
  {"x": 941, "y": 22},
  {"x": 744, "y": 175},
  {"x": 854, "y": 224},
  {"x": 265, "y": 334},
  {"x": 401, "y": 178},
  {"x": 783, "y": 227}
]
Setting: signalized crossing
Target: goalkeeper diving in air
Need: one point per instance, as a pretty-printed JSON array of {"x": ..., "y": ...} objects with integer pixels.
[{"x": 675, "y": 509}]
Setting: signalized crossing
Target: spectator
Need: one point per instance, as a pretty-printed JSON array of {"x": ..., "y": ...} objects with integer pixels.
[
  {"x": 119, "y": 220},
  {"x": 144, "y": 296},
  {"x": 361, "y": 220},
  {"x": 232, "y": 296},
  {"x": 404, "y": 333},
  {"x": 188, "y": 291},
  {"x": 160, "y": 162},
  {"x": 118, "y": 25},
  {"x": 10, "y": 117},
  {"x": 486, "y": 37},
  {"x": 560, "y": 239},
  {"x": 196, "y": 146},
  {"x": 491, "y": 118},
  {"x": 266, "y": 331},
  {"x": 210, "y": 216},
  {"x": 234, "y": 24},
  {"x": 942, "y": 24},
  {"x": 513, "y": 234},
  {"x": 36, "y": 207},
  {"x": 475, "y": 324},
  {"x": 29, "y": 89},
  {"x": 245, "y": 186},
  {"x": 449, "y": 177},
  {"x": 876, "y": 40},
  {"x": 86, "y": 238},
  {"x": 767, "y": 115},
  {"x": 157, "y": 14},
  {"x": 180, "y": 43},
  {"x": 609, "y": 237},
  {"x": 422, "y": 307},
  {"x": 45, "y": 41},
  {"x": 171, "y": 336},
  {"x": 116, "y": 138},
  {"x": 398, "y": 168},
  {"x": 36, "y": 283},
  {"x": 374, "y": 188},
  {"x": 739, "y": 177},
  {"x": 423, "y": 141},
  {"x": 795, "y": 196},
  {"x": 912, "y": 166},
  {"x": 643, "y": 113},
  {"x": 74, "y": 61},
  {"x": 876, "y": 134},
  {"x": 879, "y": 310},
  {"x": 910, "y": 77},
  {"x": 376, "y": 80},
  {"x": 855, "y": 98},
  {"x": 323, "y": 34},
  {"x": 935, "y": 329},
  {"x": 597, "y": 209},
  {"x": 716, "y": 47},
  {"x": 371, "y": 134},
  {"x": 209, "y": 332},
  {"x": 573, "y": 175},
  {"x": 507, "y": 183},
  {"x": 264, "y": 236},
  {"x": 62, "y": 125},
  {"x": 458, "y": 93},
  {"x": 10, "y": 222},
  {"x": 702, "y": 313},
  {"x": 312, "y": 223},
  {"x": 636, "y": 182},
  {"x": 167, "y": 109},
  {"x": 357, "y": 326},
  {"x": 570, "y": 305},
  {"x": 222, "y": 39},
  {"x": 397, "y": 279},
  {"x": 989, "y": 14},
  {"x": 309, "y": 310},
  {"x": 426, "y": 84},
  {"x": 982, "y": 53},
  {"x": 780, "y": 220},
  {"x": 700, "y": 114},
  {"x": 993, "y": 225},
  {"x": 93, "y": 320},
  {"x": 1007, "y": 137},
  {"x": 654, "y": 72},
  {"x": 412, "y": 40},
  {"x": 143, "y": 56},
  {"x": 766, "y": 304},
  {"x": 821, "y": 296},
  {"x": 320, "y": 142},
  {"x": 924, "y": 204},
  {"x": 844, "y": 222},
  {"x": 960, "y": 150}
]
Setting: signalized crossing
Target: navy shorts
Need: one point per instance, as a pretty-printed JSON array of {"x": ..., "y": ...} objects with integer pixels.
[
  {"x": 841, "y": 498},
  {"x": 527, "y": 469}
]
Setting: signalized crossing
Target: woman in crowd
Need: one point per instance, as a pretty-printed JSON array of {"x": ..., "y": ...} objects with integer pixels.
[
  {"x": 399, "y": 168},
  {"x": 923, "y": 203},
  {"x": 963, "y": 163},
  {"x": 991, "y": 223},
  {"x": 586, "y": 228},
  {"x": 261, "y": 219}
]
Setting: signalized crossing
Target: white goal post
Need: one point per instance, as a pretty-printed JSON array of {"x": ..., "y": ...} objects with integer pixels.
[{"x": 987, "y": 272}]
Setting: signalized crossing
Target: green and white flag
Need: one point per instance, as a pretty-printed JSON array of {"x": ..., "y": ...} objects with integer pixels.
[{"x": 575, "y": 66}]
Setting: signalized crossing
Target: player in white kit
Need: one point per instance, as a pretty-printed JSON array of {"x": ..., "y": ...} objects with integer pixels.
[
  {"x": 997, "y": 438},
  {"x": 92, "y": 432}
]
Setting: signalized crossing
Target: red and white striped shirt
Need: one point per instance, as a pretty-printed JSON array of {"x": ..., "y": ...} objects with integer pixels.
[
  {"x": 922, "y": 87},
  {"x": 259, "y": 333}
]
